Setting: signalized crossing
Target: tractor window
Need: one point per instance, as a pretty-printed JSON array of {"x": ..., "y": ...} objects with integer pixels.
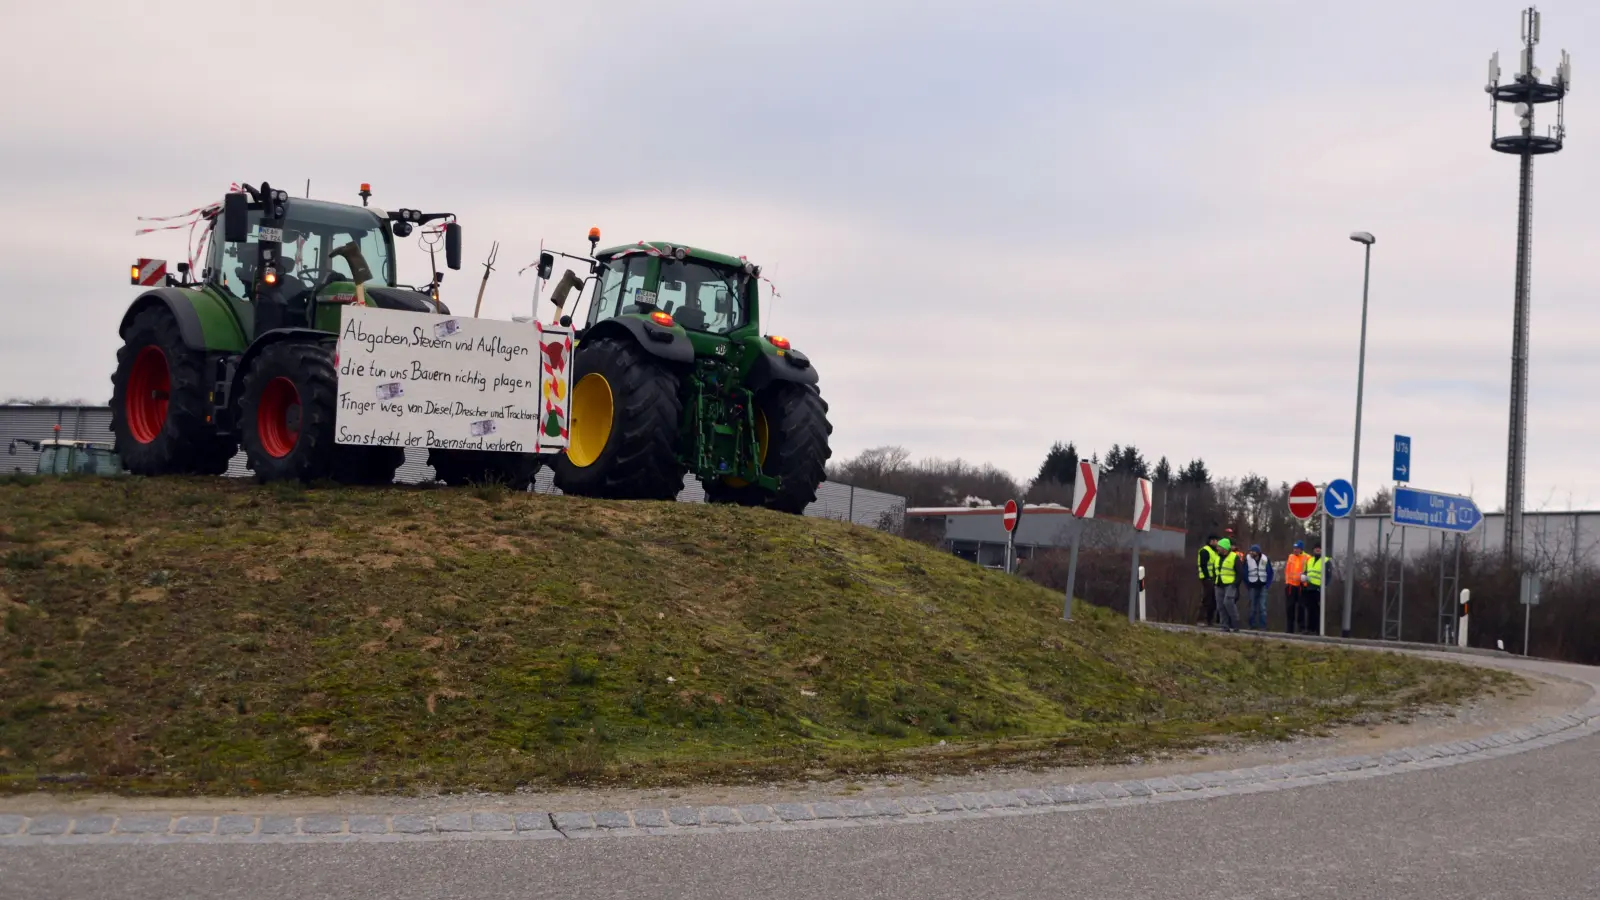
[
  {"x": 234, "y": 265},
  {"x": 311, "y": 234},
  {"x": 701, "y": 296},
  {"x": 620, "y": 283}
]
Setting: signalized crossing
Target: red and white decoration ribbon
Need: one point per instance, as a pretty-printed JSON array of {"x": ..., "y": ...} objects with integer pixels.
[{"x": 190, "y": 220}]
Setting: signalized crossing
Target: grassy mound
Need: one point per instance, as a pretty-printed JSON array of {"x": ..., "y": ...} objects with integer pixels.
[{"x": 209, "y": 635}]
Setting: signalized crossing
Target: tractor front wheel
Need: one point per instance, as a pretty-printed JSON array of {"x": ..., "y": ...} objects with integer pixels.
[
  {"x": 159, "y": 400},
  {"x": 624, "y": 434},
  {"x": 287, "y": 413}
]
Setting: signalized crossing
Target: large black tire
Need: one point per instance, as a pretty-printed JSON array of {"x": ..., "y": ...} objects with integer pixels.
[
  {"x": 626, "y": 447},
  {"x": 462, "y": 467},
  {"x": 796, "y": 452},
  {"x": 160, "y": 403},
  {"x": 287, "y": 413}
]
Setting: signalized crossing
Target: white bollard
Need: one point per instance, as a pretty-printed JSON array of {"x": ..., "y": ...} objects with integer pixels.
[
  {"x": 1141, "y": 594},
  {"x": 1461, "y": 633}
]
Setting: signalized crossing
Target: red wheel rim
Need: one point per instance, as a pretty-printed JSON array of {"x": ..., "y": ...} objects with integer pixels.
[
  {"x": 278, "y": 417},
  {"x": 149, "y": 385}
]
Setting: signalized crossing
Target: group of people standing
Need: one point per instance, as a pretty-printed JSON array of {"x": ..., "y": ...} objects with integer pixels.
[{"x": 1224, "y": 569}]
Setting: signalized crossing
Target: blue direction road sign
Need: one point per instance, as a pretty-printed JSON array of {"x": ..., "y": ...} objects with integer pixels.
[
  {"x": 1338, "y": 498},
  {"x": 1402, "y": 458},
  {"x": 1428, "y": 509}
]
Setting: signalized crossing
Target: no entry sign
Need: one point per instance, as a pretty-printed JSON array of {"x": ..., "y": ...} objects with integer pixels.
[
  {"x": 1009, "y": 519},
  {"x": 1303, "y": 500}
]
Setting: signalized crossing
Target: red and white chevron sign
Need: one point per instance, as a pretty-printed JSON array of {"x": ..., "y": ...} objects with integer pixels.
[
  {"x": 149, "y": 272},
  {"x": 1141, "y": 506},
  {"x": 1087, "y": 488}
]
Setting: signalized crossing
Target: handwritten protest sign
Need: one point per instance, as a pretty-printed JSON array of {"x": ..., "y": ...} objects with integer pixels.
[{"x": 421, "y": 380}]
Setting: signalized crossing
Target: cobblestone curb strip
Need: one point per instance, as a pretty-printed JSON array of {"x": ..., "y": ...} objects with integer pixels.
[{"x": 18, "y": 830}]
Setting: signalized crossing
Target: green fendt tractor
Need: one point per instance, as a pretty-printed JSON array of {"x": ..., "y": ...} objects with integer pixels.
[
  {"x": 245, "y": 354},
  {"x": 672, "y": 375}
]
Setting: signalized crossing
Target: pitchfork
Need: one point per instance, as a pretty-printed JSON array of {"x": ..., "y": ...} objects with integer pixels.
[{"x": 488, "y": 266}]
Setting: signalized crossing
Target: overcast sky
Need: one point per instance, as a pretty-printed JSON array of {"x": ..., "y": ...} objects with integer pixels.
[{"x": 993, "y": 225}]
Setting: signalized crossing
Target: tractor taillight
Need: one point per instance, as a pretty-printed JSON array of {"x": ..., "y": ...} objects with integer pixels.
[
  {"x": 270, "y": 276},
  {"x": 133, "y": 274},
  {"x": 661, "y": 318},
  {"x": 782, "y": 343}
]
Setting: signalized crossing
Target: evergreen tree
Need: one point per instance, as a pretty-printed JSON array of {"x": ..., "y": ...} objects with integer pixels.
[
  {"x": 1060, "y": 464},
  {"x": 1128, "y": 461},
  {"x": 1195, "y": 474},
  {"x": 1163, "y": 471}
]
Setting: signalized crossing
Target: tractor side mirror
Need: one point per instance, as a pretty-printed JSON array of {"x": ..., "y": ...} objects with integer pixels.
[
  {"x": 452, "y": 245},
  {"x": 547, "y": 265},
  {"x": 724, "y": 302},
  {"x": 235, "y": 218}
]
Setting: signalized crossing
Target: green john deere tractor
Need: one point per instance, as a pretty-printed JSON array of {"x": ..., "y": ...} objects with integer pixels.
[
  {"x": 245, "y": 354},
  {"x": 672, "y": 375}
]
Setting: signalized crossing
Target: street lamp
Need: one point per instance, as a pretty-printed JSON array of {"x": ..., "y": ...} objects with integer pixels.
[{"x": 1366, "y": 238}]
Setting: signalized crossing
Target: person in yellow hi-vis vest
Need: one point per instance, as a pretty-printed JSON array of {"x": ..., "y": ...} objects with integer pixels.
[
  {"x": 1230, "y": 571},
  {"x": 1206, "y": 564},
  {"x": 1311, "y": 594}
]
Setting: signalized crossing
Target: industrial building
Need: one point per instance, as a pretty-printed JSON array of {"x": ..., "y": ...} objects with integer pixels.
[{"x": 977, "y": 534}]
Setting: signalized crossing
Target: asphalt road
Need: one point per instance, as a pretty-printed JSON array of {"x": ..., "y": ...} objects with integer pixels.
[{"x": 1525, "y": 825}]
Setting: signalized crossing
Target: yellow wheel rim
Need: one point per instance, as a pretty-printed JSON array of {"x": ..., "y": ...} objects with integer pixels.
[
  {"x": 761, "y": 449},
  {"x": 592, "y": 412}
]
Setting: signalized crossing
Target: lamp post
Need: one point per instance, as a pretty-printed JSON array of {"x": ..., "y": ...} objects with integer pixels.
[{"x": 1365, "y": 238}]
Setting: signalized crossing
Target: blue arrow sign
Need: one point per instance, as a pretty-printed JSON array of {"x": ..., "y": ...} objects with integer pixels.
[
  {"x": 1402, "y": 458},
  {"x": 1440, "y": 512},
  {"x": 1338, "y": 498}
]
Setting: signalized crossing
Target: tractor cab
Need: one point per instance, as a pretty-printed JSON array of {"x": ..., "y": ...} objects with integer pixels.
[
  {"x": 703, "y": 292},
  {"x": 64, "y": 457},
  {"x": 289, "y": 262}
]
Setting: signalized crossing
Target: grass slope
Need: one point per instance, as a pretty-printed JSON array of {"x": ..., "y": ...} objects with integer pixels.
[{"x": 209, "y": 635}]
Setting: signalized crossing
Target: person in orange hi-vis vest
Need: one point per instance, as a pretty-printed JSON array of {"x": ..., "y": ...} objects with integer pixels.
[{"x": 1294, "y": 580}]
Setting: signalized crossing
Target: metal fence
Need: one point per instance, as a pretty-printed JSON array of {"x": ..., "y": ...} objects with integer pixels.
[{"x": 838, "y": 501}]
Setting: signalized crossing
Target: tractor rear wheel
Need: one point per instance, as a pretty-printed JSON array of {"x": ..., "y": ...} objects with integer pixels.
[
  {"x": 160, "y": 400},
  {"x": 624, "y": 434},
  {"x": 288, "y": 410},
  {"x": 792, "y": 430},
  {"x": 462, "y": 467}
]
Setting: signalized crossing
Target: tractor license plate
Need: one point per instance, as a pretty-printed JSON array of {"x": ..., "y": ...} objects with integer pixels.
[{"x": 271, "y": 234}]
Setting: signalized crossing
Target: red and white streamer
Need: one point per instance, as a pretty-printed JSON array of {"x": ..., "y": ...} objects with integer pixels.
[{"x": 190, "y": 220}]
